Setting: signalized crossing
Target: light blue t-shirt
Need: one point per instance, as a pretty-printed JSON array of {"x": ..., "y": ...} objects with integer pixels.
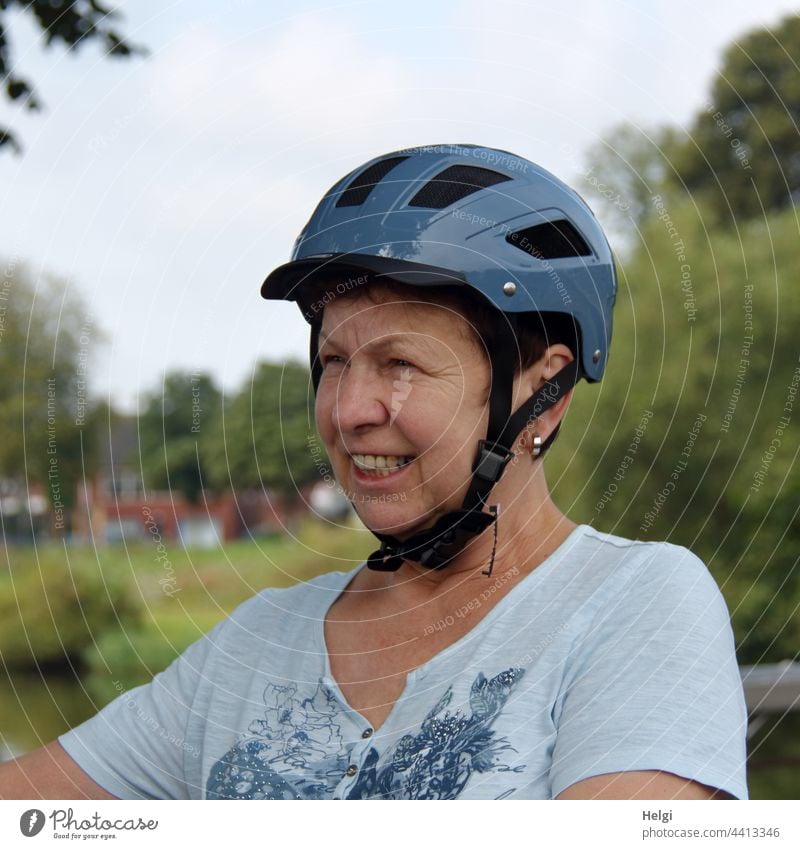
[{"x": 610, "y": 656}]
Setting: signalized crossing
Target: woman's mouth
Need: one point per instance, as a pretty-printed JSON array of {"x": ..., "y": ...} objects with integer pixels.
[{"x": 379, "y": 465}]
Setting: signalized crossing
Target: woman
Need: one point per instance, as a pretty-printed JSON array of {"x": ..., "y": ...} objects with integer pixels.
[{"x": 490, "y": 648}]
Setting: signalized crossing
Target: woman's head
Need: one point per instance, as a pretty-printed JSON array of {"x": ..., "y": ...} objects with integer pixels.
[{"x": 534, "y": 288}]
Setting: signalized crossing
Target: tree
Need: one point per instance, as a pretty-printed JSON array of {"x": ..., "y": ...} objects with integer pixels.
[
  {"x": 269, "y": 439},
  {"x": 175, "y": 424},
  {"x": 72, "y": 23},
  {"x": 46, "y": 337},
  {"x": 625, "y": 171},
  {"x": 741, "y": 156}
]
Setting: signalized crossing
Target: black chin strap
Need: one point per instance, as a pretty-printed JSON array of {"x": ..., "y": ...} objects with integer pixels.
[{"x": 437, "y": 546}]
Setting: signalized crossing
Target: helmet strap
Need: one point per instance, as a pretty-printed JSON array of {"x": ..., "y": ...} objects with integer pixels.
[{"x": 313, "y": 354}]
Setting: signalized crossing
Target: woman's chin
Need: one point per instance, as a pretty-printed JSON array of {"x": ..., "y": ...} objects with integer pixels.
[{"x": 389, "y": 520}]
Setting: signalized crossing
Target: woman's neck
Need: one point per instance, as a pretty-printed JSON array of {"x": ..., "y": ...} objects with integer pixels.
[{"x": 521, "y": 545}]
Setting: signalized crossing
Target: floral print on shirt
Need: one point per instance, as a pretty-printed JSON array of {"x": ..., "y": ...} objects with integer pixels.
[{"x": 297, "y": 751}]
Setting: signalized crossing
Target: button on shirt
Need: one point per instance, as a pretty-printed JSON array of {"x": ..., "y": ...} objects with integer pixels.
[{"x": 610, "y": 656}]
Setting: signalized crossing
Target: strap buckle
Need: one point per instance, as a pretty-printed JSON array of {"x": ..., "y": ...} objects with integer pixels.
[{"x": 492, "y": 461}]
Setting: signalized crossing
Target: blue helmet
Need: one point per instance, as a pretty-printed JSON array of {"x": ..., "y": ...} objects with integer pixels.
[{"x": 468, "y": 216}]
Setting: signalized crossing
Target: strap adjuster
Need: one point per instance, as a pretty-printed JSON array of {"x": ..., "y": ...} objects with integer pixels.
[
  {"x": 492, "y": 460},
  {"x": 385, "y": 559}
]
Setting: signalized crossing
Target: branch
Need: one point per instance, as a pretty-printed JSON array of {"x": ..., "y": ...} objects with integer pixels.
[{"x": 71, "y": 22}]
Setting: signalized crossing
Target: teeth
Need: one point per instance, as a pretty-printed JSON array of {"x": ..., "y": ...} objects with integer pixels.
[{"x": 380, "y": 464}]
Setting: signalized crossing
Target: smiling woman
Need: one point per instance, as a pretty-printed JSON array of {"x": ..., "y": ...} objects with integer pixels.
[{"x": 490, "y": 648}]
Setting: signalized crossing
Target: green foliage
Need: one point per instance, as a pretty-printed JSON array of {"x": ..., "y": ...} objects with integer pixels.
[
  {"x": 774, "y": 759},
  {"x": 120, "y": 589},
  {"x": 71, "y": 23},
  {"x": 52, "y": 609},
  {"x": 692, "y": 434},
  {"x": 740, "y": 157},
  {"x": 178, "y": 419},
  {"x": 113, "y": 615},
  {"x": 266, "y": 431},
  {"x": 192, "y": 439},
  {"x": 686, "y": 439}
]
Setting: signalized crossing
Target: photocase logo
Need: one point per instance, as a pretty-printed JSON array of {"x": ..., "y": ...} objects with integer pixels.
[
  {"x": 31, "y": 822},
  {"x": 65, "y": 824},
  {"x": 402, "y": 389}
]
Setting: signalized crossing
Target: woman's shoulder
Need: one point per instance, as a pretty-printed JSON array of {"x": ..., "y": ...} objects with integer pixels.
[
  {"x": 604, "y": 547},
  {"x": 308, "y": 599},
  {"x": 649, "y": 569}
]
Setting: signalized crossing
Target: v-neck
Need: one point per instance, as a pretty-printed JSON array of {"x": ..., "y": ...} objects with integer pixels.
[{"x": 522, "y": 588}]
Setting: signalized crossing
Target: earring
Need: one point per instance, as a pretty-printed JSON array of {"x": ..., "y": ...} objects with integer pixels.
[{"x": 536, "y": 447}]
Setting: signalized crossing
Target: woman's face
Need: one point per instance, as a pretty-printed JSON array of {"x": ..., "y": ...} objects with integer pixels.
[{"x": 400, "y": 407}]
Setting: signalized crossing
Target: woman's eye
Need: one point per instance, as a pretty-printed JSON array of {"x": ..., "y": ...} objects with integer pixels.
[
  {"x": 401, "y": 363},
  {"x": 331, "y": 359}
]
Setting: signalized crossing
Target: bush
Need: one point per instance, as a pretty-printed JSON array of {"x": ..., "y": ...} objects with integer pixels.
[
  {"x": 53, "y": 613},
  {"x": 121, "y": 660}
]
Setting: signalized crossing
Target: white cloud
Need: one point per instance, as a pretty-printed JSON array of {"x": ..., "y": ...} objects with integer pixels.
[{"x": 302, "y": 80}]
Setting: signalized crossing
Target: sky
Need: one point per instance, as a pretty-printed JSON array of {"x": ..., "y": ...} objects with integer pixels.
[{"x": 165, "y": 188}]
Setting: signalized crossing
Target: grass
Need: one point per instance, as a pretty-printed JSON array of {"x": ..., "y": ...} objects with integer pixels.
[
  {"x": 106, "y": 619},
  {"x": 210, "y": 583},
  {"x": 202, "y": 584}
]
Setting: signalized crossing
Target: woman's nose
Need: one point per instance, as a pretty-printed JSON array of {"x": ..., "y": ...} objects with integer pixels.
[{"x": 359, "y": 400}]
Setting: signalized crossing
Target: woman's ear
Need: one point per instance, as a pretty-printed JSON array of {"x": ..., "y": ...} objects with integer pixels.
[
  {"x": 533, "y": 378},
  {"x": 553, "y": 360}
]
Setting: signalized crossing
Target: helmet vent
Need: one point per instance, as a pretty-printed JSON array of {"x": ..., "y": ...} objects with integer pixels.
[
  {"x": 553, "y": 240},
  {"x": 358, "y": 190},
  {"x": 454, "y": 183}
]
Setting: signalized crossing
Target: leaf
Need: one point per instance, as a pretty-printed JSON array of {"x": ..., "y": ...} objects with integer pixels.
[
  {"x": 115, "y": 46},
  {"x": 481, "y": 699},
  {"x": 17, "y": 88},
  {"x": 8, "y": 138}
]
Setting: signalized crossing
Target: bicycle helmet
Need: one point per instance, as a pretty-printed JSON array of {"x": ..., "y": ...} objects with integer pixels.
[{"x": 474, "y": 217}]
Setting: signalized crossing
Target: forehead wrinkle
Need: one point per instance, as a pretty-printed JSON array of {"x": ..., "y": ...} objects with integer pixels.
[
  {"x": 391, "y": 342},
  {"x": 457, "y": 324}
]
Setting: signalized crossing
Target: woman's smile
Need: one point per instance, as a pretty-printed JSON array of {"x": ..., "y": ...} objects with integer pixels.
[
  {"x": 380, "y": 475},
  {"x": 380, "y": 465}
]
